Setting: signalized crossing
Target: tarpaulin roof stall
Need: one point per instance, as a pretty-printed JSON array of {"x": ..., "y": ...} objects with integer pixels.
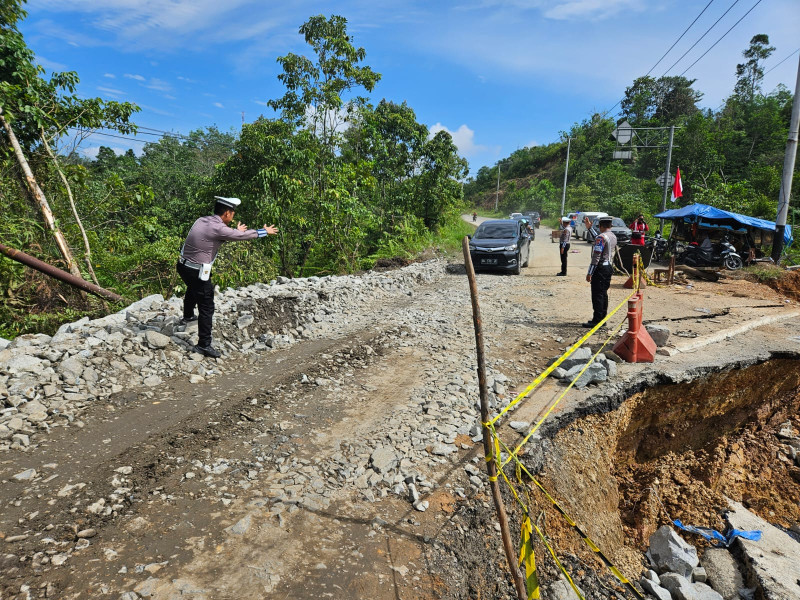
[{"x": 710, "y": 213}]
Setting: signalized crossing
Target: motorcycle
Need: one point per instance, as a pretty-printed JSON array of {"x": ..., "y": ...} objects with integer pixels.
[
  {"x": 718, "y": 255},
  {"x": 659, "y": 246},
  {"x": 474, "y": 217}
]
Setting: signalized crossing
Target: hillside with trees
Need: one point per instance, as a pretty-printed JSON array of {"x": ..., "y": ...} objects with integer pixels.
[
  {"x": 346, "y": 181},
  {"x": 730, "y": 157}
]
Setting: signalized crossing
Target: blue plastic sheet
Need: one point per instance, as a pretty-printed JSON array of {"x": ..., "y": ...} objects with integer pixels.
[
  {"x": 722, "y": 540},
  {"x": 707, "y": 212}
]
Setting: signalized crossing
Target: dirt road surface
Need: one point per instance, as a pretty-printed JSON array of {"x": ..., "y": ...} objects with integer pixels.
[{"x": 286, "y": 477}]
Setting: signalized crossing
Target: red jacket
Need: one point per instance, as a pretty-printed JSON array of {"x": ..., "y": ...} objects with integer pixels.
[{"x": 641, "y": 229}]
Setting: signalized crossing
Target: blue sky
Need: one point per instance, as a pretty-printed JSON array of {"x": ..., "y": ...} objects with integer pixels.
[{"x": 498, "y": 74}]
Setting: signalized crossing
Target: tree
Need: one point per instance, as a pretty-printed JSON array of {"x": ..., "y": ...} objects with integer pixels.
[
  {"x": 391, "y": 139},
  {"x": 316, "y": 89},
  {"x": 34, "y": 110},
  {"x": 661, "y": 101},
  {"x": 438, "y": 188},
  {"x": 750, "y": 73}
]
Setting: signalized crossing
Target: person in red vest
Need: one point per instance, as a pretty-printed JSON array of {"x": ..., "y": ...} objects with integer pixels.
[{"x": 638, "y": 229}]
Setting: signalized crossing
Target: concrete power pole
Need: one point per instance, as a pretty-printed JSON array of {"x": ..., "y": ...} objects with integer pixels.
[
  {"x": 666, "y": 176},
  {"x": 566, "y": 171},
  {"x": 497, "y": 193},
  {"x": 788, "y": 171}
]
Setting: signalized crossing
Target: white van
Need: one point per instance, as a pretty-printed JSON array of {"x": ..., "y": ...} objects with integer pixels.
[{"x": 580, "y": 228}]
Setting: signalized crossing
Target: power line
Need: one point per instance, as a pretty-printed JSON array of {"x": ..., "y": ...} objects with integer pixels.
[
  {"x": 721, "y": 38},
  {"x": 701, "y": 37},
  {"x": 668, "y": 50},
  {"x": 675, "y": 43},
  {"x": 783, "y": 61},
  {"x": 109, "y": 135}
]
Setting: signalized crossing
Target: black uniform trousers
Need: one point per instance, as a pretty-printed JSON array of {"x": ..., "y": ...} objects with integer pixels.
[
  {"x": 564, "y": 256},
  {"x": 200, "y": 294},
  {"x": 601, "y": 281}
]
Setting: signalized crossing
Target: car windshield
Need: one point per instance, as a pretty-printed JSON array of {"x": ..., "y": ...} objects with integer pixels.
[
  {"x": 615, "y": 222},
  {"x": 496, "y": 231}
]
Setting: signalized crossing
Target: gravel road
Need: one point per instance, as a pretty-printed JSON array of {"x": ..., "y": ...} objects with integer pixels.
[{"x": 345, "y": 465}]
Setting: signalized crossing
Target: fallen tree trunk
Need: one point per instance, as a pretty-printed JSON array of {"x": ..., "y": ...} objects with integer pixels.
[
  {"x": 41, "y": 199},
  {"x": 78, "y": 282},
  {"x": 698, "y": 274}
]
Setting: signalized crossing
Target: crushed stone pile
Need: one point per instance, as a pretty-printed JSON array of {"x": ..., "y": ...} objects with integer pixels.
[{"x": 44, "y": 379}]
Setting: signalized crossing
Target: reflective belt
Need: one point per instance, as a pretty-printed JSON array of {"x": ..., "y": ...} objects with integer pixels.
[{"x": 189, "y": 263}]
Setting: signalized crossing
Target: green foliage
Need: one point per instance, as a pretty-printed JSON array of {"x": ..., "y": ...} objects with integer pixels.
[
  {"x": 731, "y": 158},
  {"x": 764, "y": 273}
]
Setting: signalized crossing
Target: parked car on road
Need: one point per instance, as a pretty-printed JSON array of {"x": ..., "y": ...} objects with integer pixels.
[
  {"x": 502, "y": 244},
  {"x": 580, "y": 227},
  {"x": 618, "y": 228}
]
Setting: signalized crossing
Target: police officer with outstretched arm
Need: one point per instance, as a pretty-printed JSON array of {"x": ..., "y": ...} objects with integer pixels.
[
  {"x": 198, "y": 254},
  {"x": 600, "y": 269}
]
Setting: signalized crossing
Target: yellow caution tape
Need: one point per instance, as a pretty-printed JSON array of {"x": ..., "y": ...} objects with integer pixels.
[
  {"x": 526, "y": 551},
  {"x": 561, "y": 396},
  {"x": 538, "y": 381},
  {"x": 527, "y": 558},
  {"x": 558, "y": 562},
  {"x": 587, "y": 540}
]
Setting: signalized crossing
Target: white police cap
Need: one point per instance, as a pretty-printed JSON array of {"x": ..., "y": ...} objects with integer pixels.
[{"x": 232, "y": 202}]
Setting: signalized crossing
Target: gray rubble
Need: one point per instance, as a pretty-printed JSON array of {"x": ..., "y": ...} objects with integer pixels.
[
  {"x": 46, "y": 381},
  {"x": 669, "y": 553},
  {"x": 773, "y": 562}
]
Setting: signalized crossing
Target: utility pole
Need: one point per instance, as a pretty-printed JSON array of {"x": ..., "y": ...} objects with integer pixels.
[
  {"x": 666, "y": 176},
  {"x": 497, "y": 193},
  {"x": 788, "y": 171},
  {"x": 566, "y": 170}
]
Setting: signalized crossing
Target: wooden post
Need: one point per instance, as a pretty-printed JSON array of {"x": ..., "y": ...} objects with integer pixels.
[
  {"x": 38, "y": 195},
  {"x": 491, "y": 467}
]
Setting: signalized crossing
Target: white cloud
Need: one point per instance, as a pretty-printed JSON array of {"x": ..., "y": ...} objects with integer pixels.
[
  {"x": 159, "y": 85},
  {"x": 218, "y": 105},
  {"x": 49, "y": 64},
  {"x": 590, "y": 9},
  {"x": 111, "y": 91},
  {"x": 463, "y": 138},
  {"x": 134, "y": 76},
  {"x": 561, "y": 9},
  {"x": 109, "y": 75},
  {"x": 185, "y": 79},
  {"x": 165, "y": 24}
]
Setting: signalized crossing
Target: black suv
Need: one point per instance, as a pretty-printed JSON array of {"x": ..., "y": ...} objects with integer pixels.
[
  {"x": 501, "y": 244},
  {"x": 618, "y": 228}
]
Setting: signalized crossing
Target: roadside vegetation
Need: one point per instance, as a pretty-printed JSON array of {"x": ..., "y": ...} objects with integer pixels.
[
  {"x": 347, "y": 182},
  {"x": 730, "y": 157}
]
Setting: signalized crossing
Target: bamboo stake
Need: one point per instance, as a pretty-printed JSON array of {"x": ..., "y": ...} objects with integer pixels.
[
  {"x": 491, "y": 467},
  {"x": 40, "y": 198}
]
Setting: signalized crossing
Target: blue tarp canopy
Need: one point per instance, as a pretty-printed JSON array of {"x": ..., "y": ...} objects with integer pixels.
[{"x": 710, "y": 213}]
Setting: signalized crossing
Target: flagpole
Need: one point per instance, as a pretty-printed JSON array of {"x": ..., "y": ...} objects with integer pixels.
[{"x": 666, "y": 177}]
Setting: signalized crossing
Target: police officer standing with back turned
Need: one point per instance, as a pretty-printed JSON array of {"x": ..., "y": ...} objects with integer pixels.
[
  {"x": 198, "y": 254},
  {"x": 563, "y": 245},
  {"x": 600, "y": 269}
]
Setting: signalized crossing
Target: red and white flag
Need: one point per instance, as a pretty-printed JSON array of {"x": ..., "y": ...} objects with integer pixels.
[{"x": 677, "y": 187}]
